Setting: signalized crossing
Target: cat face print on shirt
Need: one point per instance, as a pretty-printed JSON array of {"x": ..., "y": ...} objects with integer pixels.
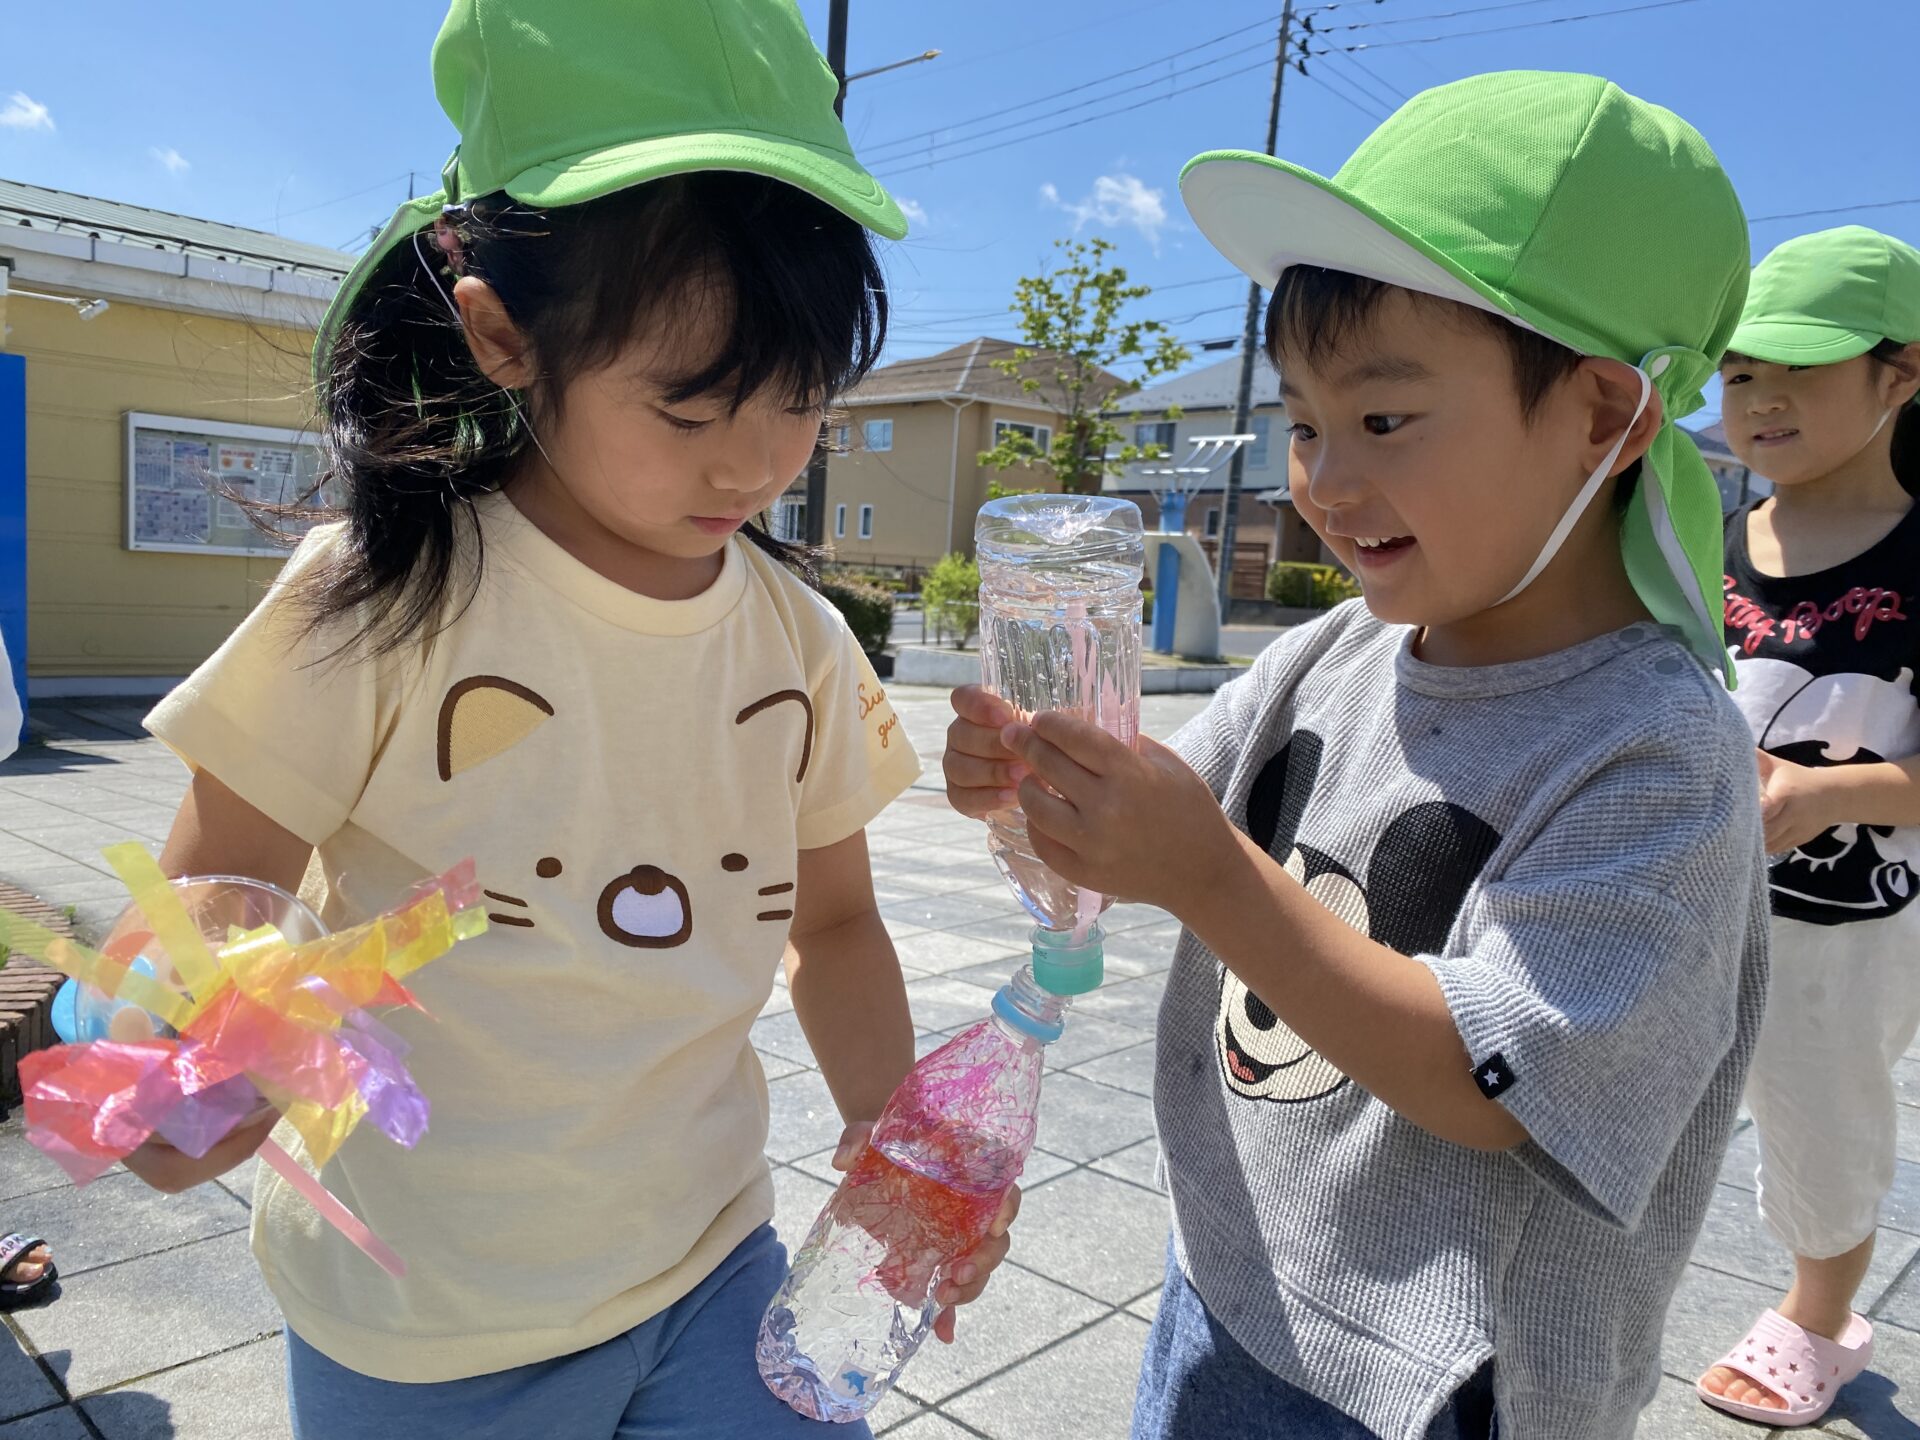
[
  {"x": 1417, "y": 877},
  {"x": 1848, "y": 872},
  {"x": 645, "y": 902}
]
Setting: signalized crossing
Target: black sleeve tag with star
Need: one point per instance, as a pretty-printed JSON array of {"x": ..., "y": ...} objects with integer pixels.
[{"x": 1494, "y": 1076}]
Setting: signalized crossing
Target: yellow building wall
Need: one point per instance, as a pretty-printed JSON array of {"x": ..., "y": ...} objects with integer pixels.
[
  {"x": 95, "y": 608},
  {"x": 934, "y": 457}
]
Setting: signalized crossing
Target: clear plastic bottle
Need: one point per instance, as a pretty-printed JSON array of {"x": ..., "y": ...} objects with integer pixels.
[
  {"x": 1059, "y": 630},
  {"x": 858, "y": 1300}
]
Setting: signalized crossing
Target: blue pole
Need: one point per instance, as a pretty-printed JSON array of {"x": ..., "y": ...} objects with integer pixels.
[
  {"x": 1166, "y": 579},
  {"x": 13, "y": 518}
]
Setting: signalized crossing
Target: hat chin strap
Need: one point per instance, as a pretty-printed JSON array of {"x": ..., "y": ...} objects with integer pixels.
[{"x": 1585, "y": 498}]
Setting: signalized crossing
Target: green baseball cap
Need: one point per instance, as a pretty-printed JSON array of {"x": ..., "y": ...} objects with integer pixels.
[
  {"x": 1826, "y": 297},
  {"x": 562, "y": 101},
  {"x": 1565, "y": 205}
]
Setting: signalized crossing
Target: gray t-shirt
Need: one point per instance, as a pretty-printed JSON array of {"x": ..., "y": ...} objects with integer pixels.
[{"x": 1573, "y": 845}]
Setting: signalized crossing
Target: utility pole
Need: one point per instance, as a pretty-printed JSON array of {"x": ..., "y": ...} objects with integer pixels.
[
  {"x": 817, "y": 466},
  {"x": 1249, "y": 347}
]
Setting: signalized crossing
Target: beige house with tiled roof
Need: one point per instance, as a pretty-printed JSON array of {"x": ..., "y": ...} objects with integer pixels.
[{"x": 905, "y": 481}]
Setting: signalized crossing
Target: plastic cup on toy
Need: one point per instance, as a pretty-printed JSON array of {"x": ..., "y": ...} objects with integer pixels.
[{"x": 220, "y": 906}]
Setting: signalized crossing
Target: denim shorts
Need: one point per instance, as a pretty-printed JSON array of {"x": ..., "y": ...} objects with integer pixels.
[
  {"x": 689, "y": 1373},
  {"x": 1197, "y": 1383}
]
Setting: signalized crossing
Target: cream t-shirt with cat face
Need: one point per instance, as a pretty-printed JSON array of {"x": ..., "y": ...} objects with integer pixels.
[{"x": 635, "y": 779}]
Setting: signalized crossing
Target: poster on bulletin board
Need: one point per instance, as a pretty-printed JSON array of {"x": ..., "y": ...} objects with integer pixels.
[{"x": 186, "y": 479}]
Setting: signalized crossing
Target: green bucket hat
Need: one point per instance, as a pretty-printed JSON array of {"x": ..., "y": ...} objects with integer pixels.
[
  {"x": 563, "y": 101},
  {"x": 1565, "y": 205},
  {"x": 1826, "y": 297}
]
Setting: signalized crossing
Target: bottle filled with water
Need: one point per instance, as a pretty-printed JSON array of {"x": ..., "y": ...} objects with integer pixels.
[{"x": 1059, "y": 630}]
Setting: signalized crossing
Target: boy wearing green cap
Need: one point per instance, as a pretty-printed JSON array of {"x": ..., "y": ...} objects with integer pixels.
[
  {"x": 1823, "y": 623},
  {"x": 1475, "y": 928}
]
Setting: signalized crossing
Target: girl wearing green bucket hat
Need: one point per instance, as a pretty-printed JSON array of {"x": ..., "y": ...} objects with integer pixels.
[
  {"x": 547, "y": 632},
  {"x": 1470, "y": 872},
  {"x": 1823, "y": 623}
]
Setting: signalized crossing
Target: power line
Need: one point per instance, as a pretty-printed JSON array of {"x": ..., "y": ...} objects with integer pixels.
[
  {"x": 1313, "y": 29},
  {"x": 1374, "y": 76},
  {"x": 1071, "y": 124},
  {"x": 941, "y": 135},
  {"x": 355, "y": 195},
  {"x": 1527, "y": 25},
  {"x": 1836, "y": 210},
  {"x": 1001, "y": 112},
  {"x": 1325, "y": 84}
]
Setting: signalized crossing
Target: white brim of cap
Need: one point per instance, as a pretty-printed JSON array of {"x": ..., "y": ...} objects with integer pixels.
[{"x": 1265, "y": 215}]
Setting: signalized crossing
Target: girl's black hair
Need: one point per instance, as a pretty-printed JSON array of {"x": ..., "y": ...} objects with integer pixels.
[
  {"x": 1315, "y": 312},
  {"x": 414, "y": 432},
  {"x": 1906, "y": 425}
]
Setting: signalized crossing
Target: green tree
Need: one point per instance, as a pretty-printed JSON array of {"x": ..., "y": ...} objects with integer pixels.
[
  {"x": 1071, "y": 331},
  {"x": 950, "y": 596}
]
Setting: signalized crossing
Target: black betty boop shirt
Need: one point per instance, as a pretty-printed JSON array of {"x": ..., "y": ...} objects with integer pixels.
[{"x": 1827, "y": 665}]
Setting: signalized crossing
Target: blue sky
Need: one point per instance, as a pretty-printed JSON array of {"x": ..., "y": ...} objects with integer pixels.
[{"x": 306, "y": 118}]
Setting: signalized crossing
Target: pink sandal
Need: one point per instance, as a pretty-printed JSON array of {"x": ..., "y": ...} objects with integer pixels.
[{"x": 1805, "y": 1370}]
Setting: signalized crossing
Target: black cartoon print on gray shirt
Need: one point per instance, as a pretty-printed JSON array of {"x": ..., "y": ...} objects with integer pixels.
[{"x": 1423, "y": 864}]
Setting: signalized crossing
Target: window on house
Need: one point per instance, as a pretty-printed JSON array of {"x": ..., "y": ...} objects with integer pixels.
[
  {"x": 842, "y": 436},
  {"x": 878, "y": 434},
  {"x": 1158, "y": 432},
  {"x": 1258, "y": 426},
  {"x": 790, "y": 518},
  {"x": 866, "y": 522},
  {"x": 840, "y": 522},
  {"x": 1213, "y": 522},
  {"x": 1040, "y": 435}
]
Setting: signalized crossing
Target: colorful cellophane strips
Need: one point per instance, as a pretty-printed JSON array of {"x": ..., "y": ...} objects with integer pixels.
[{"x": 256, "y": 1006}]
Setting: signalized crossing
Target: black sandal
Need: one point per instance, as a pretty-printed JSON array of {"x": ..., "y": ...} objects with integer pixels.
[{"x": 13, "y": 1249}]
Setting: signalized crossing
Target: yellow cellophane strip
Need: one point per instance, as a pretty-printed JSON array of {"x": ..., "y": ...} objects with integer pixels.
[
  {"x": 469, "y": 923},
  {"x": 120, "y": 983},
  {"x": 323, "y": 1131},
  {"x": 167, "y": 917},
  {"x": 418, "y": 934}
]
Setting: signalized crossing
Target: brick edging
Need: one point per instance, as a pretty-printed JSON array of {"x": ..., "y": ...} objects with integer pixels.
[{"x": 26, "y": 992}]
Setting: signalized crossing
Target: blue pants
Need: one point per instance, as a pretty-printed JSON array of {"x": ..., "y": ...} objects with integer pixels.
[
  {"x": 1197, "y": 1383},
  {"x": 687, "y": 1374}
]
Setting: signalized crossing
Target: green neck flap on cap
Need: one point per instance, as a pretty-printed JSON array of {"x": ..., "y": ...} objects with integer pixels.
[
  {"x": 1566, "y": 205},
  {"x": 562, "y": 101},
  {"x": 1823, "y": 298}
]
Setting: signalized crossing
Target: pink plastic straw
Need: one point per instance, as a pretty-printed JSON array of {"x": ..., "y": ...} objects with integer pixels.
[{"x": 338, "y": 1215}]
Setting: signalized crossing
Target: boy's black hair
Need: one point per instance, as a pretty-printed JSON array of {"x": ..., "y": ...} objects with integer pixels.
[
  {"x": 414, "y": 433},
  {"x": 1315, "y": 312}
]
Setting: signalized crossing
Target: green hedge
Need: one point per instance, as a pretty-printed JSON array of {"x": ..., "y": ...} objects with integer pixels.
[
  {"x": 868, "y": 608},
  {"x": 950, "y": 595},
  {"x": 1310, "y": 587}
]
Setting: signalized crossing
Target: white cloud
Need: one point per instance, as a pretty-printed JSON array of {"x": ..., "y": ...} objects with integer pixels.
[
  {"x": 912, "y": 209},
  {"x": 171, "y": 159},
  {"x": 1122, "y": 200},
  {"x": 23, "y": 112}
]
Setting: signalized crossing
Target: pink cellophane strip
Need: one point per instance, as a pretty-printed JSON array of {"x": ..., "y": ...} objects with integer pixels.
[{"x": 330, "y": 1208}]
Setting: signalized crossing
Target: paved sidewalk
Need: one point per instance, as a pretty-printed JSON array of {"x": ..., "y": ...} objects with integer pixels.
[{"x": 163, "y": 1328}]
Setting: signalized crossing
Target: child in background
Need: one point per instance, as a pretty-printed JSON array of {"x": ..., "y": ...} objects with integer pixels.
[
  {"x": 1470, "y": 870},
  {"x": 1823, "y": 622},
  {"x": 549, "y": 635}
]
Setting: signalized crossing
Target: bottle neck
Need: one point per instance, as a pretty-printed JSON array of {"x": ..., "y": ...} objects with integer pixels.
[{"x": 1025, "y": 1012}]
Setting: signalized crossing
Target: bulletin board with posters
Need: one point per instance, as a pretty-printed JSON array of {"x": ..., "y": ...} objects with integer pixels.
[{"x": 183, "y": 478}]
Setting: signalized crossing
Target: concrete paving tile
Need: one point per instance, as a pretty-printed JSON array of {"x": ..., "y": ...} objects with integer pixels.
[
  {"x": 926, "y": 1426},
  {"x": 1137, "y": 1163},
  {"x": 119, "y": 1217},
  {"x": 1709, "y": 1312},
  {"x": 1019, "y": 1314},
  {"x": 1088, "y": 1037},
  {"x": 1013, "y": 929},
  {"x": 943, "y": 912},
  {"x": 1080, "y": 1388},
  {"x": 1906, "y": 1079},
  {"x": 797, "y": 1199},
  {"x": 1901, "y": 1209},
  {"x": 1095, "y": 1234},
  {"x": 893, "y": 1412},
  {"x": 24, "y": 1387},
  {"x": 804, "y": 1119},
  {"x": 113, "y": 1324},
  {"x": 1146, "y": 1307},
  {"x": 944, "y": 881},
  {"x": 1736, "y": 1241},
  {"x": 1144, "y": 950},
  {"x": 943, "y": 1003},
  {"x": 1908, "y": 1147},
  {"x": 1084, "y": 1121},
  {"x": 1677, "y": 1414},
  {"x": 1885, "y": 1402},
  {"x": 238, "y": 1395},
  {"x": 61, "y": 1424},
  {"x": 23, "y": 1168},
  {"x": 1132, "y": 1002},
  {"x": 943, "y": 952},
  {"x": 780, "y": 1034},
  {"x": 1128, "y": 1069},
  {"x": 1743, "y": 1155}
]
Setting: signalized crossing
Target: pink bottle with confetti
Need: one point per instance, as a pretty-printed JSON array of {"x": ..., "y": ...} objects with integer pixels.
[{"x": 858, "y": 1300}]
